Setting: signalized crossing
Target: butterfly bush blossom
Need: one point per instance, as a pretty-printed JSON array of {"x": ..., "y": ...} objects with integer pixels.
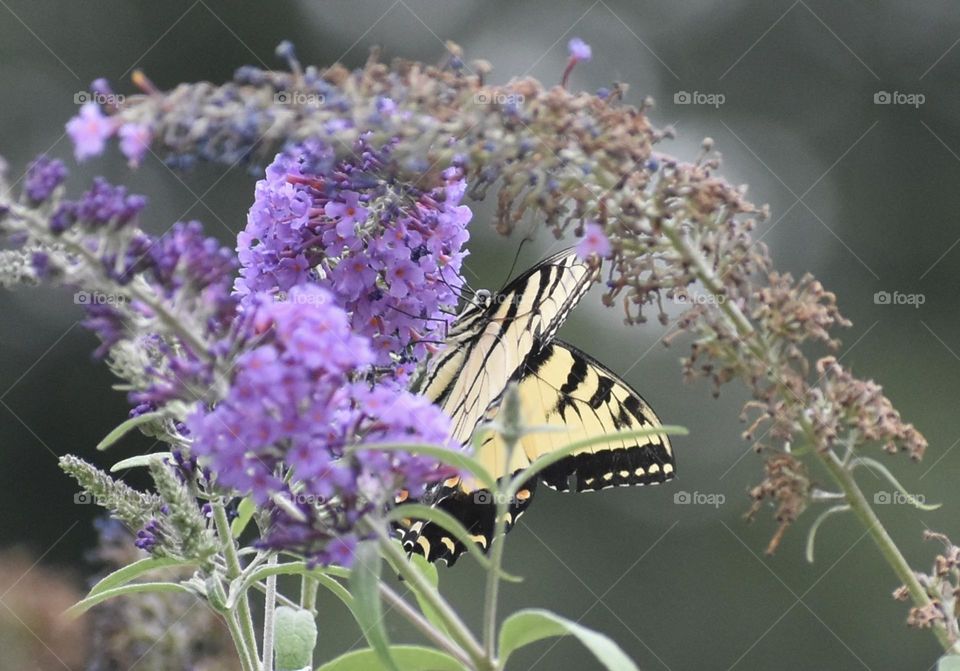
[
  {"x": 390, "y": 255},
  {"x": 269, "y": 383},
  {"x": 296, "y": 402}
]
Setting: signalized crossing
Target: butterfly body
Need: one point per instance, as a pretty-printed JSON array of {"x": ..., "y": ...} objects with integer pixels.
[{"x": 509, "y": 337}]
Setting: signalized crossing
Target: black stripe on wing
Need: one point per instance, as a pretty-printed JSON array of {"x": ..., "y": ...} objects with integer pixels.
[
  {"x": 491, "y": 351},
  {"x": 589, "y": 393},
  {"x": 476, "y": 510}
]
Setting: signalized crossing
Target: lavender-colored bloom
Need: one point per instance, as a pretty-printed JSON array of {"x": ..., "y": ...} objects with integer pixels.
[
  {"x": 579, "y": 50},
  {"x": 40, "y": 261},
  {"x": 298, "y": 397},
  {"x": 134, "y": 141},
  {"x": 105, "y": 204},
  {"x": 148, "y": 536},
  {"x": 594, "y": 242},
  {"x": 43, "y": 176},
  {"x": 89, "y": 131},
  {"x": 391, "y": 259}
]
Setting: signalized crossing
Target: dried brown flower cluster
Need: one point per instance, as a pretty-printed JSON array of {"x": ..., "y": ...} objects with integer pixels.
[{"x": 942, "y": 585}]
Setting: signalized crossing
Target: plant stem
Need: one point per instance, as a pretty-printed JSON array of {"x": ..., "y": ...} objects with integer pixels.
[
  {"x": 888, "y": 548},
  {"x": 308, "y": 594},
  {"x": 458, "y": 630},
  {"x": 269, "y": 609},
  {"x": 491, "y": 594},
  {"x": 840, "y": 472},
  {"x": 234, "y": 570},
  {"x": 510, "y": 433},
  {"x": 236, "y": 633},
  {"x": 421, "y": 623}
]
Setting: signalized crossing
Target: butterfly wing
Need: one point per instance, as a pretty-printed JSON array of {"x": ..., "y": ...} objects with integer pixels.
[
  {"x": 487, "y": 347},
  {"x": 576, "y": 397}
]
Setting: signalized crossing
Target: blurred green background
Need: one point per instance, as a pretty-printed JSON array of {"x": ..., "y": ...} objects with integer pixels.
[{"x": 863, "y": 195}]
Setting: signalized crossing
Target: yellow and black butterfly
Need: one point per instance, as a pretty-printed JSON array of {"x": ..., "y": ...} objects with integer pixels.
[{"x": 509, "y": 337}]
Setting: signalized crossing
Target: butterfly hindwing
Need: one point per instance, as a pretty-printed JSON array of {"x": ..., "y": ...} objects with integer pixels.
[
  {"x": 577, "y": 398},
  {"x": 573, "y": 398},
  {"x": 475, "y": 509}
]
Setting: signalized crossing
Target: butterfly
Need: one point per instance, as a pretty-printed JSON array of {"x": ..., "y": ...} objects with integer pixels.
[{"x": 509, "y": 337}]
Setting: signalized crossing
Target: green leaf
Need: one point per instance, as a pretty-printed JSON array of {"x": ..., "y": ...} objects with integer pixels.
[
  {"x": 295, "y": 636},
  {"x": 365, "y": 586},
  {"x": 409, "y": 657},
  {"x": 126, "y": 427},
  {"x": 551, "y": 458},
  {"x": 82, "y": 607},
  {"x": 812, "y": 534},
  {"x": 911, "y": 499},
  {"x": 429, "y": 572},
  {"x": 949, "y": 663},
  {"x": 450, "y": 524},
  {"x": 528, "y": 626},
  {"x": 139, "y": 461},
  {"x": 459, "y": 460},
  {"x": 245, "y": 511},
  {"x": 124, "y": 575}
]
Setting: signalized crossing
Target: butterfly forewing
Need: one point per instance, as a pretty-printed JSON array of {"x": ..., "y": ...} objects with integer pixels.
[{"x": 492, "y": 345}]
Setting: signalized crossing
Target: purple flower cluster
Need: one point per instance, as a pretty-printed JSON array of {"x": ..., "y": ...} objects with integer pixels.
[
  {"x": 91, "y": 129},
  {"x": 43, "y": 176},
  {"x": 183, "y": 268},
  {"x": 298, "y": 398},
  {"x": 390, "y": 255},
  {"x": 103, "y": 205}
]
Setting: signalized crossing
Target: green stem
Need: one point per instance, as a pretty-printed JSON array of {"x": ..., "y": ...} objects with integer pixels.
[
  {"x": 888, "y": 548},
  {"x": 234, "y": 570},
  {"x": 458, "y": 630},
  {"x": 308, "y": 593},
  {"x": 510, "y": 432},
  {"x": 269, "y": 609},
  {"x": 423, "y": 625},
  {"x": 491, "y": 594},
  {"x": 838, "y": 470},
  {"x": 236, "y": 633}
]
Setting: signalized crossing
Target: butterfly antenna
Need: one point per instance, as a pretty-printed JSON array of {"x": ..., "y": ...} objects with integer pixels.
[
  {"x": 413, "y": 316},
  {"x": 516, "y": 257}
]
